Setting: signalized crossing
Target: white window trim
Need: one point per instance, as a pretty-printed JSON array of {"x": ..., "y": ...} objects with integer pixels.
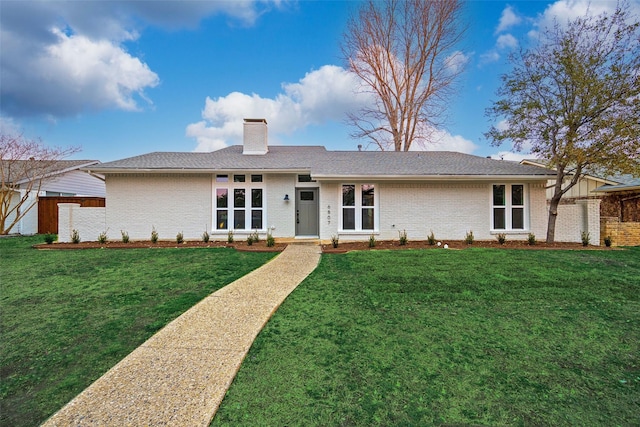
[
  {"x": 509, "y": 209},
  {"x": 358, "y": 210},
  {"x": 230, "y": 186}
]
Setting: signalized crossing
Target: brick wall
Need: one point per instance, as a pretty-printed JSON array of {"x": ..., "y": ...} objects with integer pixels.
[
  {"x": 621, "y": 233},
  {"x": 89, "y": 222},
  {"x": 172, "y": 203},
  {"x": 576, "y": 217}
]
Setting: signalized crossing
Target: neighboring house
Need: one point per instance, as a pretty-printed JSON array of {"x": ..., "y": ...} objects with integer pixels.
[
  {"x": 310, "y": 192},
  {"x": 63, "y": 178},
  {"x": 620, "y": 210},
  {"x": 619, "y": 202}
]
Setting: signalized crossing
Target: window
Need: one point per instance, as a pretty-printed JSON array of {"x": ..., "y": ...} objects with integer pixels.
[
  {"x": 358, "y": 207},
  {"x": 508, "y": 207},
  {"x": 305, "y": 178},
  {"x": 238, "y": 205}
]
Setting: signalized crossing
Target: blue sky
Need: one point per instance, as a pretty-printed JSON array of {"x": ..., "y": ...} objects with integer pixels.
[{"x": 122, "y": 78}]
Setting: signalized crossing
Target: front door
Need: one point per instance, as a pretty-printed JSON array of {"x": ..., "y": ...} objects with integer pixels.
[{"x": 307, "y": 212}]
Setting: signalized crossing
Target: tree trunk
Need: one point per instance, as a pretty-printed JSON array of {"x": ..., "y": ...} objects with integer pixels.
[{"x": 553, "y": 215}]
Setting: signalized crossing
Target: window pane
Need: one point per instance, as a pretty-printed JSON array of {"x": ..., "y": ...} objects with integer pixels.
[
  {"x": 367, "y": 195},
  {"x": 517, "y": 218},
  {"x": 517, "y": 195},
  {"x": 222, "y": 178},
  {"x": 348, "y": 195},
  {"x": 499, "y": 198},
  {"x": 238, "y": 198},
  {"x": 221, "y": 198},
  {"x": 256, "y": 198},
  {"x": 238, "y": 219},
  {"x": 256, "y": 219},
  {"x": 499, "y": 221},
  {"x": 348, "y": 219},
  {"x": 256, "y": 178},
  {"x": 306, "y": 196},
  {"x": 238, "y": 178},
  {"x": 221, "y": 224},
  {"x": 367, "y": 219}
]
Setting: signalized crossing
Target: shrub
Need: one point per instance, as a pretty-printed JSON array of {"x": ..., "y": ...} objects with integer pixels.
[
  {"x": 403, "y": 237},
  {"x": 102, "y": 237},
  {"x": 531, "y": 238},
  {"x": 249, "y": 240},
  {"x": 125, "y": 236},
  {"x": 154, "y": 235},
  {"x": 255, "y": 236},
  {"x": 372, "y": 241},
  {"x": 179, "y": 238},
  {"x": 502, "y": 238},
  {"x": 431, "y": 239},
  {"x": 205, "y": 237},
  {"x": 334, "y": 240},
  {"x": 468, "y": 238},
  {"x": 608, "y": 241},
  {"x": 230, "y": 236},
  {"x": 75, "y": 236},
  {"x": 270, "y": 240},
  {"x": 585, "y": 237},
  {"x": 49, "y": 238}
]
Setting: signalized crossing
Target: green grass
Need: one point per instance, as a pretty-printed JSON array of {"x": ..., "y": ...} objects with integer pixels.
[
  {"x": 68, "y": 316},
  {"x": 473, "y": 337}
]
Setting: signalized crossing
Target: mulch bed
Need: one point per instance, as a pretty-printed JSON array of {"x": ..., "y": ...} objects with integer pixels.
[
  {"x": 241, "y": 246},
  {"x": 326, "y": 248}
]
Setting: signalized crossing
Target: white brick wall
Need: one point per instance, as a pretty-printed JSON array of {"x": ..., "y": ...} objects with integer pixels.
[
  {"x": 171, "y": 203},
  {"x": 89, "y": 222},
  {"x": 573, "y": 219},
  {"x": 449, "y": 209}
]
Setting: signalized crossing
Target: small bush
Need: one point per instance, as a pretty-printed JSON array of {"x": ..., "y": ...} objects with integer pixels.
[
  {"x": 531, "y": 239},
  {"x": 125, "y": 236},
  {"x": 75, "y": 236},
  {"x": 205, "y": 237},
  {"x": 154, "y": 235},
  {"x": 249, "y": 240},
  {"x": 608, "y": 241},
  {"x": 179, "y": 238},
  {"x": 372, "y": 241},
  {"x": 49, "y": 238},
  {"x": 255, "y": 236},
  {"x": 102, "y": 237},
  {"x": 585, "y": 237},
  {"x": 468, "y": 238},
  {"x": 230, "y": 236},
  {"x": 403, "y": 237},
  {"x": 334, "y": 240},
  {"x": 431, "y": 239},
  {"x": 270, "y": 240},
  {"x": 502, "y": 238}
]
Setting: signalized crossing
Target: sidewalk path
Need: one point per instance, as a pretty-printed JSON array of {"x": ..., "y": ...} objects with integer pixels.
[{"x": 180, "y": 375}]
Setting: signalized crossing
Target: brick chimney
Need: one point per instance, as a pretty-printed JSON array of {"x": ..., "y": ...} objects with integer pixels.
[{"x": 255, "y": 137}]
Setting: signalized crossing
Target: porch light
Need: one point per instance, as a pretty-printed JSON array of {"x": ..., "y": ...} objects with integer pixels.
[{"x": 286, "y": 197}]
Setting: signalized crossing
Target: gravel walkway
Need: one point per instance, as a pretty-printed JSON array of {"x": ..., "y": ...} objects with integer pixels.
[{"x": 180, "y": 375}]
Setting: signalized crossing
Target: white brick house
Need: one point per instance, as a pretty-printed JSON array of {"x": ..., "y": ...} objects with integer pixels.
[{"x": 308, "y": 191}]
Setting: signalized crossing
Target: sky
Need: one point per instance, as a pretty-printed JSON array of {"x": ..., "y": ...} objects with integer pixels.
[{"x": 124, "y": 78}]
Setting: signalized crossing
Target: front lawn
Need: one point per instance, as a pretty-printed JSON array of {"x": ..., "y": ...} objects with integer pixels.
[
  {"x": 66, "y": 317},
  {"x": 472, "y": 337}
]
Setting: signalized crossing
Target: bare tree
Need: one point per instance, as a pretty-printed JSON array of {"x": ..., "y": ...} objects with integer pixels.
[
  {"x": 402, "y": 51},
  {"x": 575, "y": 98},
  {"x": 24, "y": 165}
]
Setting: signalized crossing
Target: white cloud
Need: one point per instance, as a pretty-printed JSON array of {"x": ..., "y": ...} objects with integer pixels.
[
  {"x": 510, "y": 155},
  {"x": 506, "y": 41},
  {"x": 508, "y": 19},
  {"x": 566, "y": 10},
  {"x": 456, "y": 61},
  {"x": 444, "y": 141},
  {"x": 65, "y": 58},
  {"x": 489, "y": 57},
  {"x": 321, "y": 95}
]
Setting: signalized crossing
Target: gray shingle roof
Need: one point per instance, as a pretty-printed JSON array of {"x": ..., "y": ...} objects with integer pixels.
[
  {"x": 21, "y": 170},
  {"x": 321, "y": 163}
]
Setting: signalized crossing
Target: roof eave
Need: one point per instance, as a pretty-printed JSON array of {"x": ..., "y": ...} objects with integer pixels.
[{"x": 488, "y": 178}]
